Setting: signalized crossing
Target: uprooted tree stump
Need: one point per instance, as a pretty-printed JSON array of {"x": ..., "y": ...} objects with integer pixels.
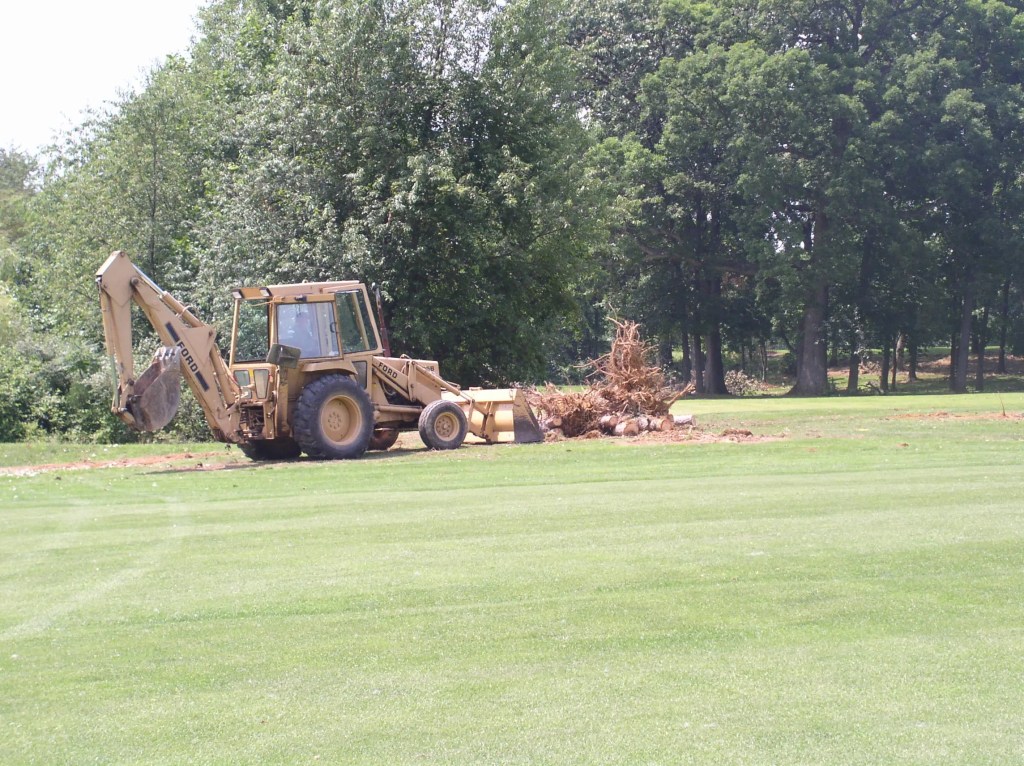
[{"x": 626, "y": 393}]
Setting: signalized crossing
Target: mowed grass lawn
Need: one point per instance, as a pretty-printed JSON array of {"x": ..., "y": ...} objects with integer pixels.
[{"x": 851, "y": 592}]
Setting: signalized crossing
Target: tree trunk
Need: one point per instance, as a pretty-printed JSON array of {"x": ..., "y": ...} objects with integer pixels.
[
  {"x": 1004, "y": 321},
  {"x": 714, "y": 366},
  {"x": 883, "y": 378},
  {"x": 958, "y": 380},
  {"x": 698, "y": 365},
  {"x": 665, "y": 350},
  {"x": 812, "y": 367},
  {"x": 979, "y": 349},
  {"x": 897, "y": 360},
  {"x": 627, "y": 428},
  {"x": 853, "y": 379},
  {"x": 861, "y": 300},
  {"x": 853, "y": 376},
  {"x": 714, "y": 378},
  {"x": 912, "y": 360},
  {"x": 952, "y": 359},
  {"x": 687, "y": 370}
]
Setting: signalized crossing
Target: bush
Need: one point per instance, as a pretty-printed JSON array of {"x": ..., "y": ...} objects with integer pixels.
[
  {"x": 17, "y": 382},
  {"x": 738, "y": 383},
  {"x": 55, "y": 387}
]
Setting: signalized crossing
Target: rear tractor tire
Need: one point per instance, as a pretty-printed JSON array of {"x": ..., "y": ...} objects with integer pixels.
[
  {"x": 333, "y": 419},
  {"x": 271, "y": 449},
  {"x": 443, "y": 425}
]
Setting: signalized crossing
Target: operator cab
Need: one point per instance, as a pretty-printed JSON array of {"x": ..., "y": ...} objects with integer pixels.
[{"x": 323, "y": 320}]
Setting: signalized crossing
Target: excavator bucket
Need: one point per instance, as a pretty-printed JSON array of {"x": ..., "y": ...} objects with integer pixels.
[
  {"x": 157, "y": 392},
  {"x": 500, "y": 415}
]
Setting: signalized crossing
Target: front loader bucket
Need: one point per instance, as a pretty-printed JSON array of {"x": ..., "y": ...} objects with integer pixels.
[
  {"x": 157, "y": 392},
  {"x": 499, "y": 415}
]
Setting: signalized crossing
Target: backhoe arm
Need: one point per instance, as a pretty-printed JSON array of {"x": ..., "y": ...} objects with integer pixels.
[{"x": 149, "y": 401}]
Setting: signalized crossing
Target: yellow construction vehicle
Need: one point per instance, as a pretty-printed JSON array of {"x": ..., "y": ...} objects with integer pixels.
[{"x": 309, "y": 371}]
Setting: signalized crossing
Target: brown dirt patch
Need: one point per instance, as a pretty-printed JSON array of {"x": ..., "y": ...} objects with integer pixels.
[
  {"x": 941, "y": 415},
  {"x": 936, "y": 366},
  {"x": 697, "y": 436},
  {"x": 199, "y": 461},
  {"x": 941, "y": 365},
  {"x": 677, "y": 436}
]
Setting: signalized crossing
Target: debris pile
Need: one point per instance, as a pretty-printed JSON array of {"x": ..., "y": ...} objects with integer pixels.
[
  {"x": 626, "y": 394},
  {"x": 568, "y": 413}
]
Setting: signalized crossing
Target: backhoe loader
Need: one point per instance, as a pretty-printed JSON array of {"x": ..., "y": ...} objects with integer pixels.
[{"x": 309, "y": 371}]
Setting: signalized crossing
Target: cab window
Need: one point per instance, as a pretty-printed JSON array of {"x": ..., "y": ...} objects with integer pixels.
[
  {"x": 252, "y": 332},
  {"x": 357, "y": 330},
  {"x": 308, "y": 327}
]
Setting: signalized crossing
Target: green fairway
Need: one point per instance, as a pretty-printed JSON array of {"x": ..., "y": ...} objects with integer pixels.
[{"x": 845, "y": 592}]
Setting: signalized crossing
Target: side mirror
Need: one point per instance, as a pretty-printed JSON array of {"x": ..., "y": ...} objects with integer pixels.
[{"x": 284, "y": 356}]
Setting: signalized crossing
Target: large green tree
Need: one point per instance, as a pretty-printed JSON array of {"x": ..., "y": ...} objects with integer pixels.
[
  {"x": 130, "y": 178},
  {"x": 812, "y": 105},
  {"x": 432, "y": 147},
  {"x": 657, "y": 93},
  {"x": 774, "y": 124},
  {"x": 955, "y": 111}
]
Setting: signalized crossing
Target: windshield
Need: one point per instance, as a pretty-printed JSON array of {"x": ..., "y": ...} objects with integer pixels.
[{"x": 308, "y": 327}]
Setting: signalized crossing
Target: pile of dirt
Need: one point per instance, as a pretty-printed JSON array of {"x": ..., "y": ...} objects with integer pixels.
[{"x": 626, "y": 393}]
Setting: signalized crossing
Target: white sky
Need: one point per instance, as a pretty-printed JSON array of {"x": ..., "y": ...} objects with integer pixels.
[{"x": 58, "y": 57}]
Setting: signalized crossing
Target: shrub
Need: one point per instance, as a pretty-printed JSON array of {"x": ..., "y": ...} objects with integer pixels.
[
  {"x": 17, "y": 382},
  {"x": 738, "y": 383}
]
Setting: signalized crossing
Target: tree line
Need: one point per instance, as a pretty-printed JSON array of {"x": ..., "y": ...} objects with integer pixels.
[{"x": 830, "y": 175}]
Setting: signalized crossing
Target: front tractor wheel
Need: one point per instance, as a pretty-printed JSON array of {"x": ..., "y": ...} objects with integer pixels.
[
  {"x": 333, "y": 419},
  {"x": 443, "y": 425}
]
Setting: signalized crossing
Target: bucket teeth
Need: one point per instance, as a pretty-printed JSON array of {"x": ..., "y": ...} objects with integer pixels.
[{"x": 157, "y": 392}]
